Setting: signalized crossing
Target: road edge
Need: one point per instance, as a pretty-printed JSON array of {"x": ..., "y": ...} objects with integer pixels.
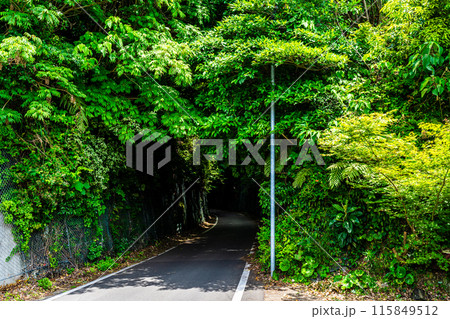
[{"x": 52, "y": 298}]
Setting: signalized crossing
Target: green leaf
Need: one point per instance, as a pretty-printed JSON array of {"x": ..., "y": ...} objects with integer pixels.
[
  {"x": 285, "y": 265},
  {"x": 409, "y": 279},
  {"x": 276, "y": 276},
  {"x": 348, "y": 226},
  {"x": 359, "y": 272},
  {"x": 299, "y": 256},
  {"x": 346, "y": 284},
  {"x": 108, "y": 45},
  {"x": 354, "y": 219},
  {"x": 352, "y": 209},
  {"x": 341, "y": 238},
  {"x": 79, "y": 186},
  {"x": 400, "y": 272},
  {"x": 307, "y": 272},
  {"x": 399, "y": 281}
]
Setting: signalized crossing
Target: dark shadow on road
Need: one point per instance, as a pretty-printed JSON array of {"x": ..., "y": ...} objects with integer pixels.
[{"x": 211, "y": 263}]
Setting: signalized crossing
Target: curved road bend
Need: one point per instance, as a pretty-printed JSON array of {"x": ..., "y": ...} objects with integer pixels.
[{"x": 208, "y": 268}]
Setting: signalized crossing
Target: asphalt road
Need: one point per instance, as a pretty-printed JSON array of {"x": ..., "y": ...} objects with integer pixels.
[{"x": 207, "y": 268}]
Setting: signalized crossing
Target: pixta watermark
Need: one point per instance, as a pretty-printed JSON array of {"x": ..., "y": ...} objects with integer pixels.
[
  {"x": 253, "y": 151},
  {"x": 142, "y": 149}
]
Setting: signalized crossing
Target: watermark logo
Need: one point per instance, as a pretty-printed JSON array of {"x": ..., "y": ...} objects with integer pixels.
[
  {"x": 253, "y": 151},
  {"x": 141, "y": 152}
]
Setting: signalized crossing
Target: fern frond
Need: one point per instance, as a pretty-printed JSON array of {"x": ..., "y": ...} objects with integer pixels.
[
  {"x": 301, "y": 177},
  {"x": 76, "y": 108},
  {"x": 278, "y": 167},
  {"x": 342, "y": 171}
]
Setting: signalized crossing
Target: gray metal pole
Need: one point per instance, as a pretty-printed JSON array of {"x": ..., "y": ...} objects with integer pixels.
[{"x": 272, "y": 178}]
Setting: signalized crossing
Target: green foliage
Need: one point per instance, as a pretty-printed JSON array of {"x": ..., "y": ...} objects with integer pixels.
[
  {"x": 346, "y": 222},
  {"x": 106, "y": 264},
  {"x": 430, "y": 65},
  {"x": 411, "y": 177},
  {"x": 398, "y": 274},
  {"x": 45, "y": 283},
  {"x": 71, "y": 95},
  {"x": 95, "y": 250},
  {"x": 357, "y": 279},
  {"x": 238, "y": 52},
  {"x": 382, "y": 120},
  {"x": 302, "y": 229}
]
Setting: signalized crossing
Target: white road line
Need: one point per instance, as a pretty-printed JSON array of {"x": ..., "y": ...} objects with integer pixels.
[
  {"x": 117, "y": 272},
  {"x": 242, "y": 283},
  {"x": 107, "y": 276},
  {"x": 217, "y": 220}
]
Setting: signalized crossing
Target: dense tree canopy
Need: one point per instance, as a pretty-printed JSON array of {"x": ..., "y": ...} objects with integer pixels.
[{"x": 367, "y": 80}]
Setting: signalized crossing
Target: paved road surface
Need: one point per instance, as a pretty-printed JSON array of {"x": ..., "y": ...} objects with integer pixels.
[{"x": 209, "y": 268}]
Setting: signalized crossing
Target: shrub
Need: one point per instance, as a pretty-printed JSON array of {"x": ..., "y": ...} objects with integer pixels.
[
  {"x": 95, "y": 250},
  {"x": 45, "y": 283},
  {"x": 408, "y": 173},
  {"x": 105, "y": 264}
]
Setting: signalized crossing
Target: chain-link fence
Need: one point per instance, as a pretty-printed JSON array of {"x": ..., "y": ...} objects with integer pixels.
[
  {"x": 63, "y": 243},
  {"x": 67, "y": 243},
  {"x": 11, "y": 269}
]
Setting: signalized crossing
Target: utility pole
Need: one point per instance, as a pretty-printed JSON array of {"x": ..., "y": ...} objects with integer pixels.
[
  {"x": 272, "y": 164},
  {"x": 272, "y": 176}
]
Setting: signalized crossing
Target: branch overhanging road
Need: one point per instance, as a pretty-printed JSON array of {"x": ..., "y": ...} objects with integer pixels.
[{"x": 206, "y": 268}]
